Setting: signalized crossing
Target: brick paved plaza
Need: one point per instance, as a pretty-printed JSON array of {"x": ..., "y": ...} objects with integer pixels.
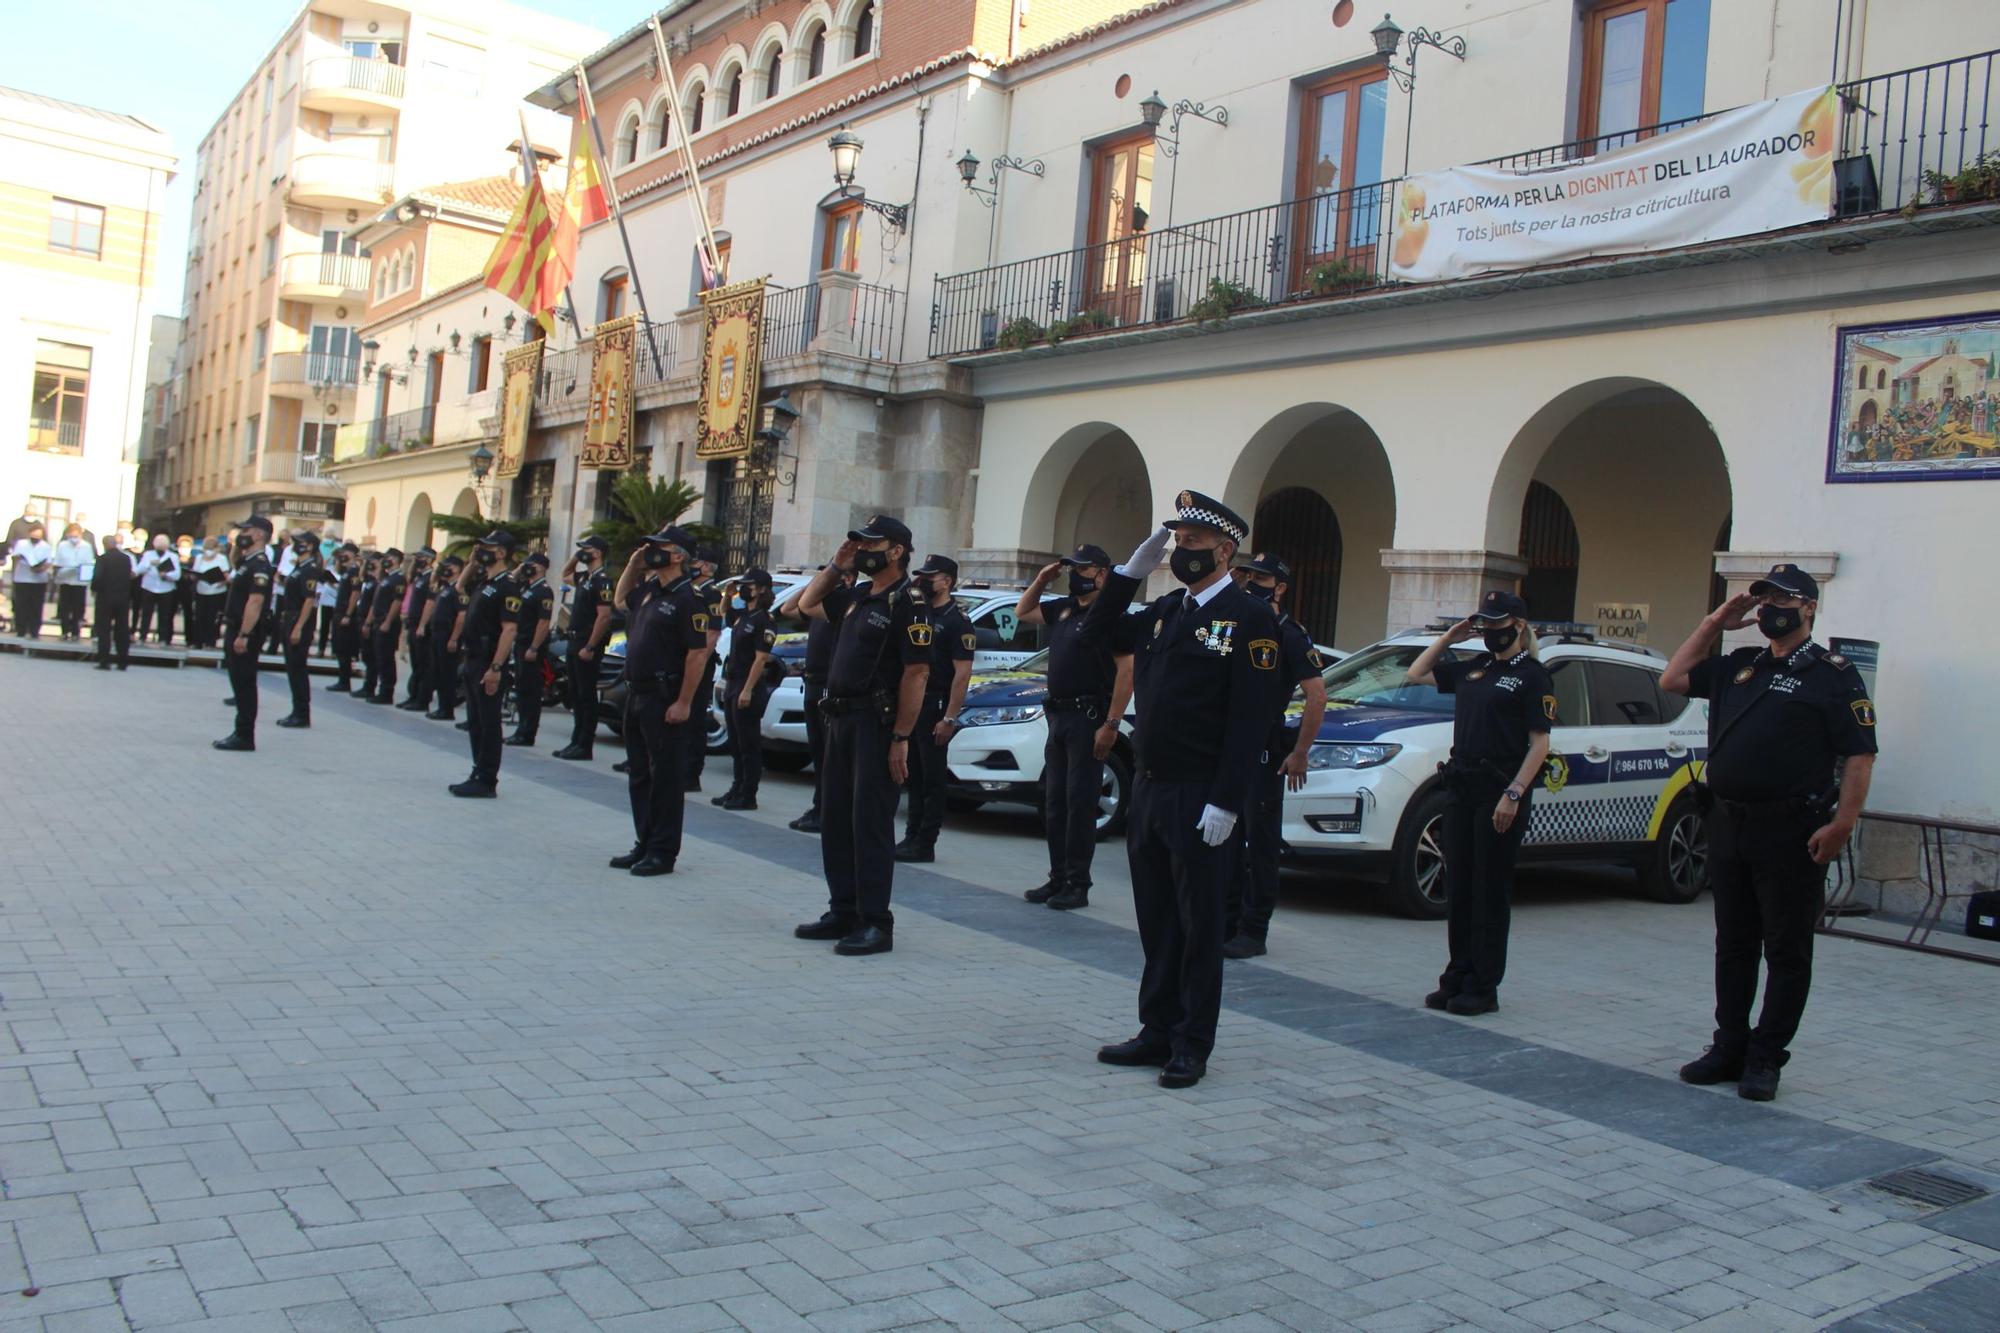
[{"x": 294, "y": 1040}]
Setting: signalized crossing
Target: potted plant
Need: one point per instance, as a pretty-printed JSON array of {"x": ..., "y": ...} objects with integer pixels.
[
  {"x": 1977, "y": 180},
  {"x": 1337, "y": 275},
  {"x": 1223, "y": 299},
  {"x": 1020, "y": 333}
]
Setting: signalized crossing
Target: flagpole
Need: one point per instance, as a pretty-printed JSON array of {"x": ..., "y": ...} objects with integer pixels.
[
  {"x": 588, "y": 106},
  {"x": 529, "y": 174},
  {"x": 695, "y": 201}
]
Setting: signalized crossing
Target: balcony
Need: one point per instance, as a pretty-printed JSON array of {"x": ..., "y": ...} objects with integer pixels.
[
  {"x": 350, "y": 83},
  {"x": 340, "y": 180},
  {"x": 320, "y": 277},
  {"x": 297, "y": 469},
  {"x": 49, "y": 436},
  {"x": 1907, "y": 141},
  {"x": 312, "y": 374}
]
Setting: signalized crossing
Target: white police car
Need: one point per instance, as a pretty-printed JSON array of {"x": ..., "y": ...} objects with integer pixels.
[{"x": 1622, "y": 754}]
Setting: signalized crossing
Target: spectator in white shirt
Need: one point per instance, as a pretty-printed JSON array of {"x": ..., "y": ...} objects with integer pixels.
[
  {"x": 75, "y": 562},
  {"x": 211, "y": 586},
  {"x": 32, "y": 559},
  {"x": 159, "y": 573}
]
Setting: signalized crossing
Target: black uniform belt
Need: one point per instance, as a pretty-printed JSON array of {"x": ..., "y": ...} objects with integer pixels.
[
  {"x": 1783, "y": 807},
  {"x": 835, "y": 705},
  {"x": 1093, "y": 704},
  {"x": 1470, "y": 772},
  {"x": 660, "y": 683},
  {"x": 814, "y": 678}
]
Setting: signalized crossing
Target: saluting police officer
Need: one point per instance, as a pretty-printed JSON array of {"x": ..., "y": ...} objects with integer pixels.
[
  {"x": 243, "y": 626},
  {"x": 707, "y": 561},
  {"x": 538, "y": 609},
  {"x": 1791, "y": 751},
  {"x": 1503, "y": 706},
  {"x": 589, "y": 627},
  {"x": 874, "y": 689},
  {"x": 666, "y": 648},
  {"x": 1254, "y": 889},
  {"x": 347, "y": 564},
  {"x": 492, "y": 619},
  {"x": 439, "y": 633},
  {"x": 1205, "y": 671},
  {"x": 820, "y": 636},
  {"x": 417, "y": 604},
  {"x": 952, "y": 643},
  {"x": 1090, "y": 682},
  {"x": 302, "y": 596},
  {"x": 746, "y": 686}
]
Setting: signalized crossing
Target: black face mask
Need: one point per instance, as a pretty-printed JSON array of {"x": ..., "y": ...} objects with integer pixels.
[
  {"x": 486, "y": 557},
  {"x": 243, "y": 541},
  {"x": 1498, "y": 641},
  {"x": 1079, "y": 586},
  {"x": 1775, "y": 622},
  {"x": 871, "y": 563},
  {"x": 1191, "y": 566},
  {"x": 303, "y": 548},
  {"x": 658, "y": 557},
  {"x": 1259, "y": 591}
]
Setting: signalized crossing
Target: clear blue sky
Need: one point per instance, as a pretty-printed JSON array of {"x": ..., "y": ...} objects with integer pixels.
[{"x": 177, "y": 63}]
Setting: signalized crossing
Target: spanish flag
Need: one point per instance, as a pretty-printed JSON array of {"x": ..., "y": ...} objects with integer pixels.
[{"x": 528, "y": 266}]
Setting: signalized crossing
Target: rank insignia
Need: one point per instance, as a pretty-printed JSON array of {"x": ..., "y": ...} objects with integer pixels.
[
  {"x": 1835, "y": 660},
  {"x": 1745, "y": 674},
  {"x": 1864, "y": 712},
  {"x": 1264, "y": 654},
  {"x": 920, "y": 634}
]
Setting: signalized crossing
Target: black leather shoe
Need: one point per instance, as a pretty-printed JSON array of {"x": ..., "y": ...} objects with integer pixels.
[
  {"x": 1759, "y": 1082},
  {"x": 626, "y": 860},
  {"x": 410, "y": 706},
  {"x": 438, "y": 715},
  {"x": 828, "y": 927},
  {"x": 295, "y": 721},
  {"x": 622, "y": 766},
  {"x": 1183, "y": 1071},
  {"x": 465, "y": 725},
  {"x": 234, "y": 742},
  {"x": 1048, "y": 890},
  {"x": 381, "y": 700},
  {"x": 652, "y": 864},
  {"x": 481, "y": 790},
  {"x": 518, "y": 739},
  {"x": 339, "y": 687},
  {"x": 1244, "y": 946},
  {"x": 724, "y": 799},
  {"x": 1471, "y": 1006},
  {"x": 1711, "y": 1067},
  {"x": 1140, "y": 1050},
  {"x": 805, "y": 823},
  {"x": 740, "y": 802},
  {"x": 571, "y": 752},
  {"x": 868, "y": 939},
  {"x": 1070, "y": 899},
  {"x": 915, "y": 851},
  {"x": 1438, "y": 999}
]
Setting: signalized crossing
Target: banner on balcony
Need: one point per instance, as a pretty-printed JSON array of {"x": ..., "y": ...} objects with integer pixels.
[
  {"x": 732, "y": 346},
  {"x": 522, "y": 367},
  {"x": 607, "y": 430},
  {"x": 1755, "y": 169}
]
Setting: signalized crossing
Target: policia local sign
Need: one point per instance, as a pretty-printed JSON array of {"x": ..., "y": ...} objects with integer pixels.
[{"x": 1755, "y": 169}]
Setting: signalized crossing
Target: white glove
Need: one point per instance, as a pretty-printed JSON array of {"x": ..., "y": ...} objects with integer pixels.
[
  {"x": 1147, "y": 558},
  {"x": 1215, "y": 825}
]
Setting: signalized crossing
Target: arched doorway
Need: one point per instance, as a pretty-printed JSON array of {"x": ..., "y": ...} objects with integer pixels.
[
  {"x": 1549, "y": 545},
  {"x": 1869, "y": 415},
  {"x": 417, "y": 527},
  {"x": 1299, "y": 526},
  {"x": 1093, "y": 487}
]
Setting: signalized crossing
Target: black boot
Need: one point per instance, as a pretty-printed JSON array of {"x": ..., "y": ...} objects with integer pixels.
[
  {"x": 807, "y": 822},
  {"x": 1713, "y": 1066},
  {"x": 1072, "y": 897},
  {"x": 235, "y": 741},
  {"x": 724, "y": 799},
  {"x": 1049, "y": 889},
  {"x": 294, "y": 720}
]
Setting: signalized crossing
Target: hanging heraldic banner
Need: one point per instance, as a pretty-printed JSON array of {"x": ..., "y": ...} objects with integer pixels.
[
  {"x": 522, "y": 367},
  {"x": 607, "y": 430},
  {"x": 1759, "y": 168},
  {"x": 733, "y": 340}
]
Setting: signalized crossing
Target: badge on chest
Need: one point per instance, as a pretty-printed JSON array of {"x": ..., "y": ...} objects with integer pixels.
[{"x": 1218, "y": 636}]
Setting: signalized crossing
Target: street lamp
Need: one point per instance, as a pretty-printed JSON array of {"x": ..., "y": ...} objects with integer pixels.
[
  {"x": 482, "y": 463},
  {"x": 968, "y": 171},
  {"x": 1154, "y": 110},
  {"x": 767, "y": 454},
  {"x": 482, "y": 467},
  {"x": 846, "y": 149},
  {"x": 1388, "y": 37}
]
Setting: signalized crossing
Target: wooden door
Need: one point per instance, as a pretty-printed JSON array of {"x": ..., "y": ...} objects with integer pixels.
[{"x": 1121, "y": 209}]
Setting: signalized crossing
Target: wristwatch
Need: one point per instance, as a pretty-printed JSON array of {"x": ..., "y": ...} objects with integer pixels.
[
  {"x": 1514, "y": 794},
  {"x": 951, "y": 719},
  {"x": 896, "y": 736}
]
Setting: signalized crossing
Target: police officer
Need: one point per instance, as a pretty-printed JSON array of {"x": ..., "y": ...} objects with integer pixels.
[
  {"x": 820, "y": 636},
  {"x": 492, "y": 619},
  {"x": 1205, "y": 672},
  {"x": 1090, "y": 682},
  {"x": 706, "y": 562},
  {"x": 347, "y": 565},
  {"x": 416, "y": 604},
  {"x": 874, "y": 689},
  {"x": 302, "y": 597},
  {"x": 589, "y": 627},
  {"x": 1791, "y": 751},
  {"x": 1253, "y": 893},
  {"x": 746, "y": 685},
  {"x": 438, "y": 638},
  {"x": 666, "y": 649},
  {"x": 364, "y": 612},
  {"x": 243, "y": 626},
  {"x": 385, "y": 626},
  {"x": 952, "y": 643},
  {"x": 1503, "y": 706},
  {"x": 538, "y": 609}
]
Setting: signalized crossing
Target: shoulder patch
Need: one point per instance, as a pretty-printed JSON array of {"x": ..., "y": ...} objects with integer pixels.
[
  {"x": 261, "y": 580},
  {"x": 1549, "y": 707},
  {"x": 1314, "y": 660},
  {"x": 1864, "y": 711},
  {"x": 700, "y": 619},
  {"x": 920, "y": 634},
  {"x": 967, "y": 640},
  {"x": 1264, "y": 654},
  {"x": 1745, "y": 674},
  {"x": 513, "y": 604}
]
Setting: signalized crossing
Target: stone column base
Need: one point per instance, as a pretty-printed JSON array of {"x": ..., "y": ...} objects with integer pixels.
[
  {"x": 1428, "y": 586},
  {"x": 1740, "y": 569}
]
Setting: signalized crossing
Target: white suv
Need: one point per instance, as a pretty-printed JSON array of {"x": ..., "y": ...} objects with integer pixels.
[{"x": 1615, "y": 788}]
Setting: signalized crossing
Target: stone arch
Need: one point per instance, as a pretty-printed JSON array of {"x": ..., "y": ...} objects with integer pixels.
[
  {"x": 417, "y": 526},
  {"x": 467, "y": 503},
  {"x": 770, "y": 42},
  {"x": 732, "y": 71},
  {"x": 1091, "y": 486},
  {"x": 628, "y": 147},
  {"x": 659, "y": 128}
]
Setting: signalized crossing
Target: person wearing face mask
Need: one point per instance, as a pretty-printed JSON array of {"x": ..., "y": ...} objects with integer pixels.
[
  {"x": 1253, "y": 890},
  {"x": 820, "y": 636},
  {"x": 440, "y": 628},
  {"x": 415, "y": 600},
  {"x": 952, "y": 644},
  {"x": 1090, "y": 682},
  {"x": 666, "y": 648},
  {"x": 589, "y": 627},
  {"x": 1205, "y": 673},
  {"x": 301, "y": 603},
  {"x": 492, "y": 619},
  {"x": 211, "y": 590},
  {"x": 328, "y": 595},
  {"x": 383, "y": 628},
  {"x": 346, "y": 640},
  {"x": 73, "y": 562},
  {"x": 159, "y": 573},
  {"x": 538, "y": 609},
  {"x": 363, "y": 612},
  {"x": 1791, "y": 752},
  {"x": 746, "y": 686},
  {"x": 33, "y": 560},
  {"x": 1503, "y": 706},
  {"x": 707, "y": 562},
  {"x": 243, "y": 626},
  {"x": 184, "y": 550},
  {"x": 874, "y": 689}
]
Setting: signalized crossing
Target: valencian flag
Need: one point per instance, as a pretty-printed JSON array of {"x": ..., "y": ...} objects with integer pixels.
[
  {"x": 586, "y": 198},
  {"x": 528, "y": 266}
]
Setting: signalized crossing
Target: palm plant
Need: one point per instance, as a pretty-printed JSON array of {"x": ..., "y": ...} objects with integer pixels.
[
  {"x": 465, "y": 530},
  {"x": 642, "y": 505}
]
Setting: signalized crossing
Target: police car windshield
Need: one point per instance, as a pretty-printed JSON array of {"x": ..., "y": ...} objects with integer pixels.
[
  {"x": 1375, "y": 678},
  {"x": 1039, "y": 663}
]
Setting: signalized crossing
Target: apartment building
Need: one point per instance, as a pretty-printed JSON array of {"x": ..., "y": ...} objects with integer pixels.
[
  {"x": 356, "y": 105},
  {"x": 80, "y": 196},
  {"x": 152, "y": 509}
]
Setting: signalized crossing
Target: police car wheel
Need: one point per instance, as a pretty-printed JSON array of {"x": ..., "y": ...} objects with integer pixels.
[
  {"x": 1112, "y": 795},
  {"x": 1676, "y": 866},
  {"x": 1417, "y": 884},
  {"x": 718, "y": 731}
]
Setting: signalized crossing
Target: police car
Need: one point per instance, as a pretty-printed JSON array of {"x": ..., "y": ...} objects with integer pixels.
[{"x": 1622, "y": 755}]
